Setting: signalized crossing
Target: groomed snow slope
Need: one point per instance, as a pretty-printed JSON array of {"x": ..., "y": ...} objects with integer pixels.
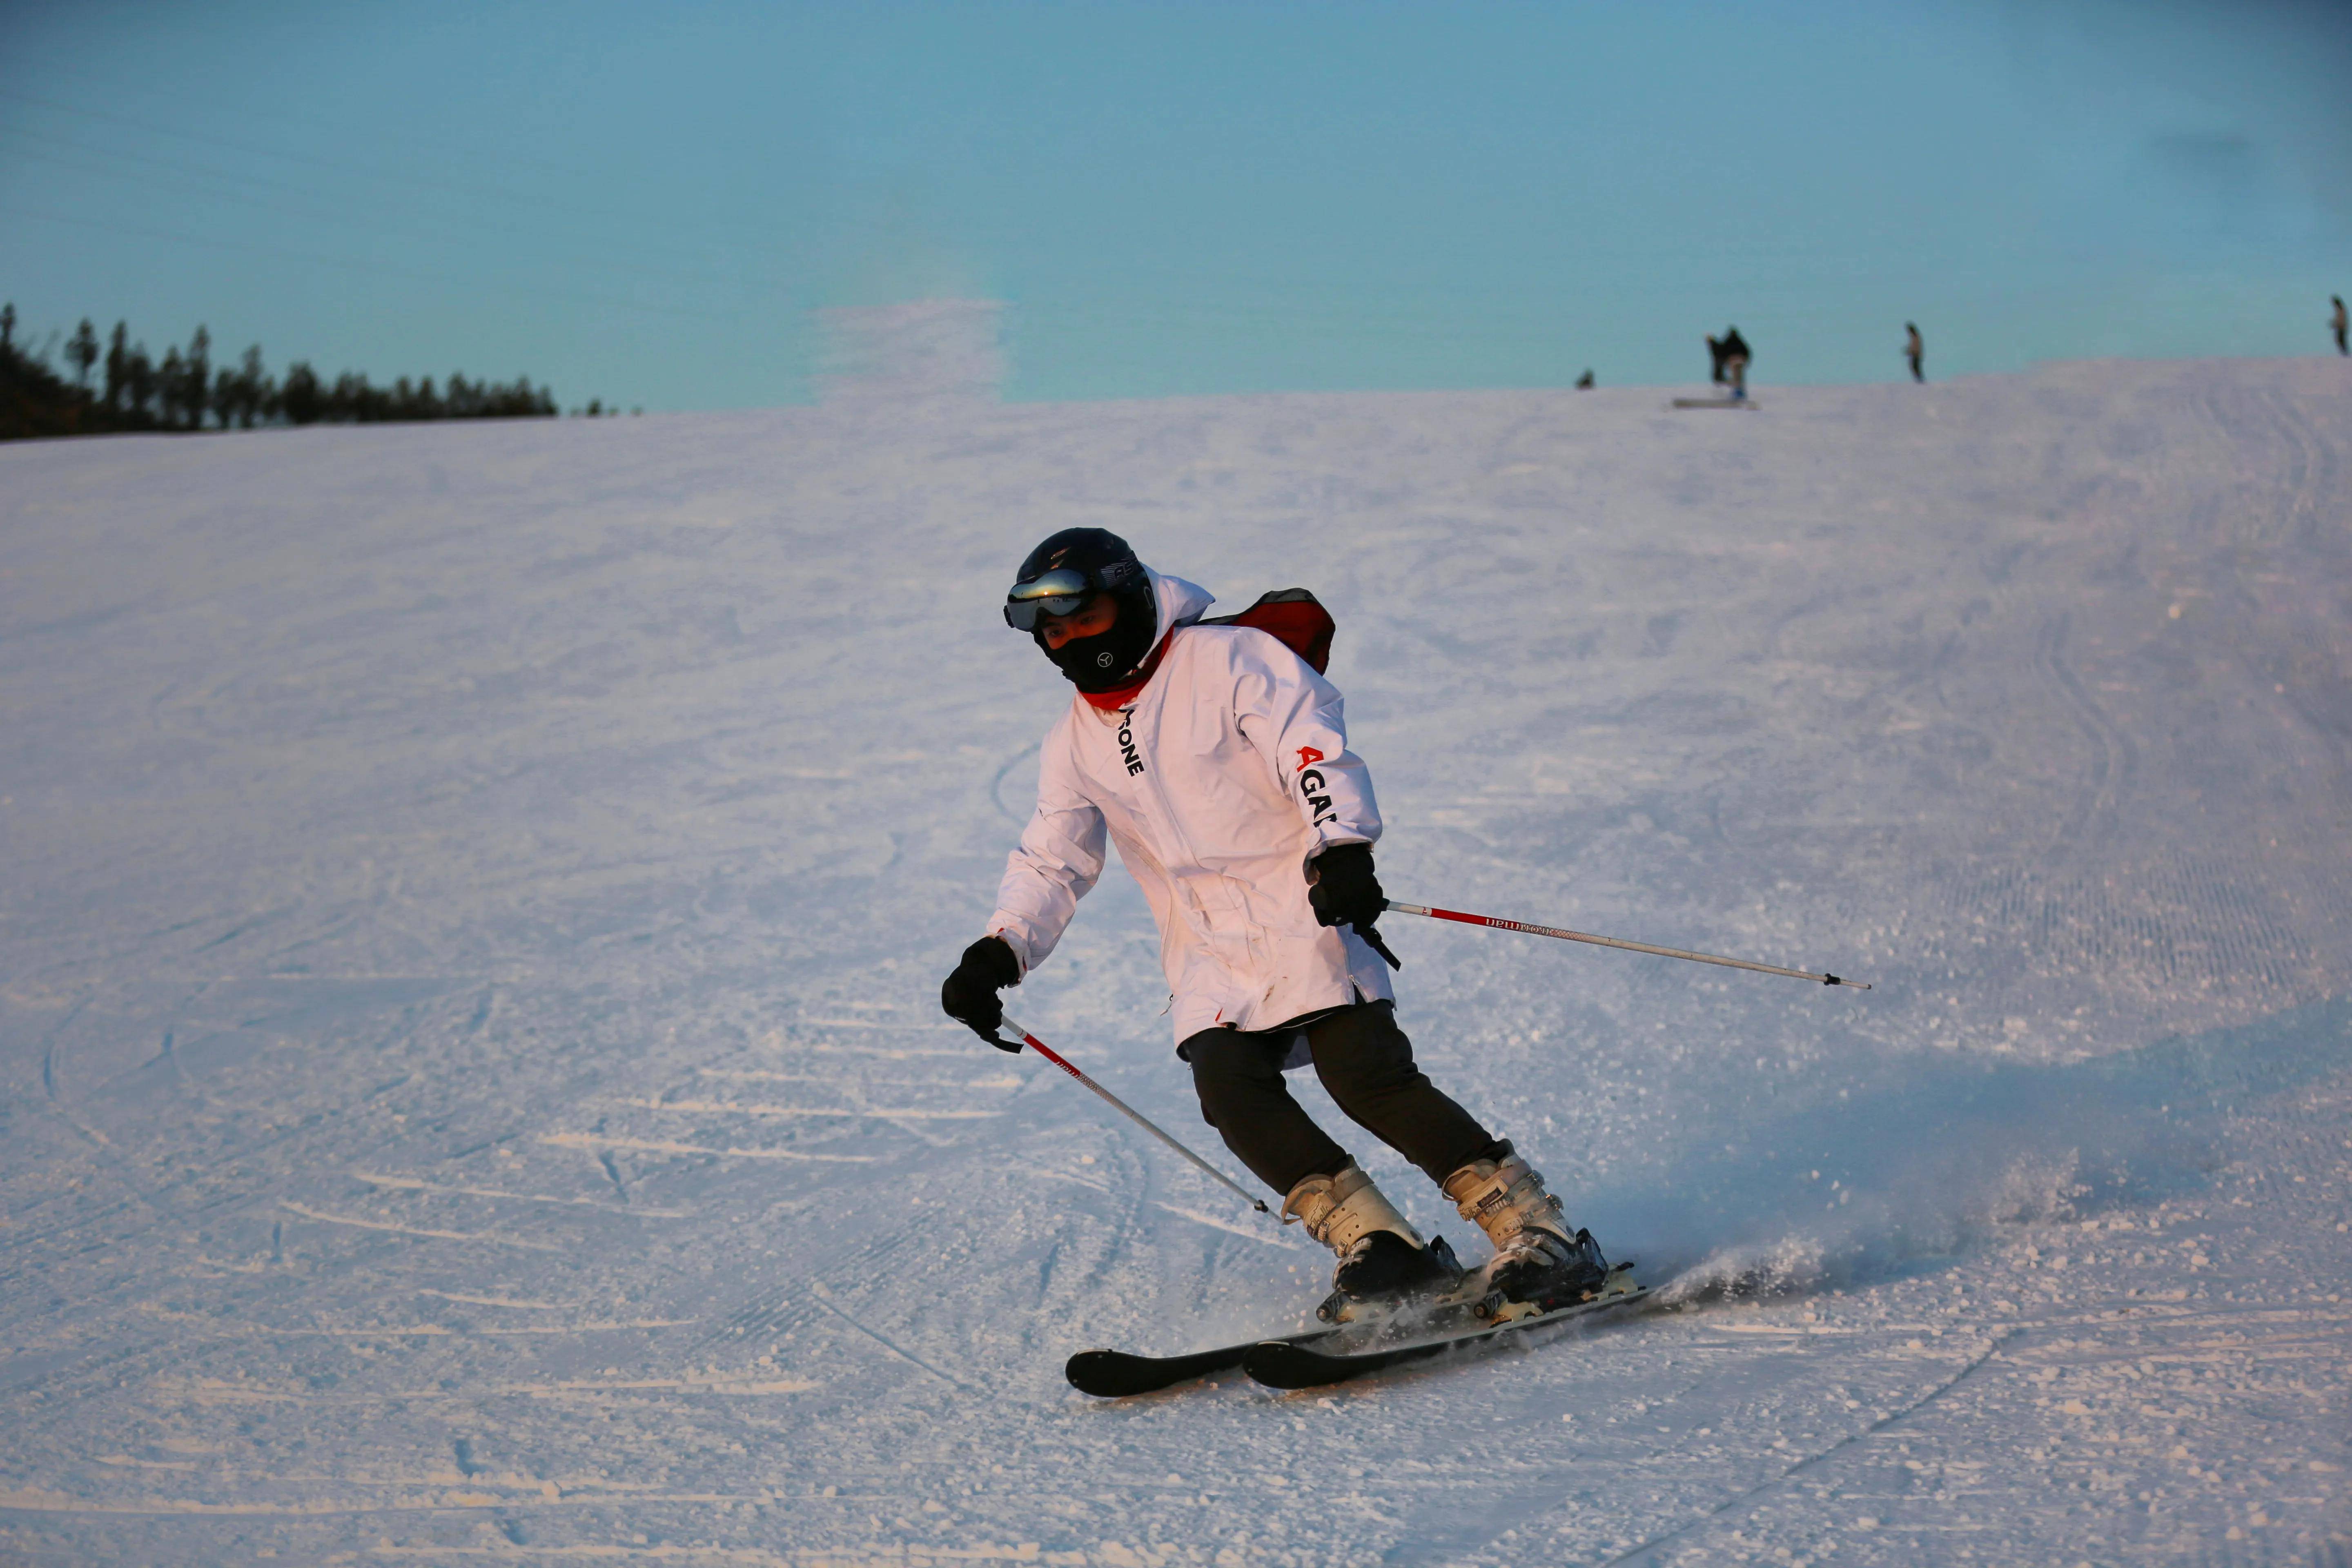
[{"x": 475, "y": 897}]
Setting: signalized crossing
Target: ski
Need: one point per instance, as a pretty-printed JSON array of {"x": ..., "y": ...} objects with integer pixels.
[
  {"x": 1713, "y": 403},
  {"x": 1116, "y": 1374},
  {"x": 1342, "y": 1351},
  {"x": 1294, "y": 1363}
]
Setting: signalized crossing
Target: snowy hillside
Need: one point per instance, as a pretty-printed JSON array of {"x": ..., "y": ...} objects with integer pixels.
[{"x": 475, "y": 900}]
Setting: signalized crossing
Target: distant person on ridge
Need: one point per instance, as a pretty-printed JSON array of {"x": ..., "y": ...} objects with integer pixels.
[
  {"x": 1584, "y": 383},
  {"x": 1216, "y": 759},
  {"x": 2339, "y": 322},
  {"x": 1915, "y": 348},
  {"x": 1734, "y": 362}
]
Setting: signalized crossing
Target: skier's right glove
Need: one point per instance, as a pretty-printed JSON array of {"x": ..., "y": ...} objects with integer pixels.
[
  {"x": 970, "y": 994},
  {"x": 1343, "y": 890}
]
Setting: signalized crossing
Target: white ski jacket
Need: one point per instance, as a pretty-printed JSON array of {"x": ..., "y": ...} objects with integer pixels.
[{"x": 1227, "y": 773}]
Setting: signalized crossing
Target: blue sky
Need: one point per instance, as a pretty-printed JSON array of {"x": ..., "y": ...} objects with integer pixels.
[{"x": 645, "y": 203}]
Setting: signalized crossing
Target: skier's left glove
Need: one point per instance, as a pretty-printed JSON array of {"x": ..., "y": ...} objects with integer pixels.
[
  {"x": 970, "y": 994},
  {"x": 1343, "y": 890}
]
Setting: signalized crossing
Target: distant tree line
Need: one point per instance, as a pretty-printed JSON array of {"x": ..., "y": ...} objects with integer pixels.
[{"x": 120, "y": 386}]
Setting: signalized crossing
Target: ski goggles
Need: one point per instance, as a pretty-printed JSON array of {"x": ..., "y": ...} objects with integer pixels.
[{"x": 1054, "y": 593}]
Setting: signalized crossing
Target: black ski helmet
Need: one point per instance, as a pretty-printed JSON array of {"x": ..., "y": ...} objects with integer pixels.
[{"x": 1080, "y": 563}]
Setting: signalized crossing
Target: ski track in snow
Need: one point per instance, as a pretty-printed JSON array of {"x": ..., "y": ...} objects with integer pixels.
[{"x": 476, "y": 898}]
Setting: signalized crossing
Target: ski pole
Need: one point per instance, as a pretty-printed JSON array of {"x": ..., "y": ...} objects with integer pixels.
[
  {"x": 1618, "y": 941},
  {"x": 1009, "y": 1030}
]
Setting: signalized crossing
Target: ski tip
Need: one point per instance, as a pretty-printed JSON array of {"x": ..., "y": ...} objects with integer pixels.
[{"x": 1100, "y": 1372}]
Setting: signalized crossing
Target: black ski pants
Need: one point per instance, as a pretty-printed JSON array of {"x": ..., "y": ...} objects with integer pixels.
[{"x": 1365, "y": 1062}]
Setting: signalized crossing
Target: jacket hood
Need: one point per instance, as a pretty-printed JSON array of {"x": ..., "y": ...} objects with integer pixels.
[{"x": 1179, "y": 603}]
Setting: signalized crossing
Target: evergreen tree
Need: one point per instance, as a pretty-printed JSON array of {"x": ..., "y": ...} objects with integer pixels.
[
  {"x": 139, "y": 380},
  {"x": 118, "y": 367},
  {"x": 222, "y": 400},
  {"x": 81, "y": 352},
  {"x": 254, "y": 392},
  {"x": 354, "y": 401},
  {"x": 198, "y": 381},
  {"x": 8, "y": 325},
  {"x": 300, "y": 398},
  {"x": 171, "y": 389}
]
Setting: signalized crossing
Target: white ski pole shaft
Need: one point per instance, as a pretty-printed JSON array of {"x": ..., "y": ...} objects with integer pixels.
[
  {"x": 1565, "y": 935},
  {"x": 1009, "y": 1030}
]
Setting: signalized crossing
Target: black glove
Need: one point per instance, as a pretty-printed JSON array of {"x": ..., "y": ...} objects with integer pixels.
[
  {"x": 1344, "y": 893},
  {"x": 969, "y": 997}
]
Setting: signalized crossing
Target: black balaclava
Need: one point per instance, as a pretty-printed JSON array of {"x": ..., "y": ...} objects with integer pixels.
[{"x": 1108, "y": 660}]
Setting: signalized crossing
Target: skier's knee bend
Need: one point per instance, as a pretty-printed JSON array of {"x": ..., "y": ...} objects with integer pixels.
[
  {"x": 1366, "y": 1062},
  {"x": 1238, "y": 1077}
]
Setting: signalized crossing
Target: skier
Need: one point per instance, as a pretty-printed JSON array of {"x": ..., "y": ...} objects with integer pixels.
[
  {"x": 2339, "y": 322},
  {"x": 1714, "y": 359},
  {"x": 1915, "y": 348},
  {"x": 1216, "y": 759},
  {"x": 1734, "y": 364}
]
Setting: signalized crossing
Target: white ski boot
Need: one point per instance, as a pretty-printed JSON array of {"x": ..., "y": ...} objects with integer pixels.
[
  {"x": 1382, "y": 1259},
  {"x": 1539, "y": 1263}
]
